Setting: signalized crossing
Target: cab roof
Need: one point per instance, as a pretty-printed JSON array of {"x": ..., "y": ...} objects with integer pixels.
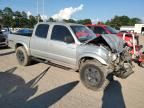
[{"x": 61, "y": 23}]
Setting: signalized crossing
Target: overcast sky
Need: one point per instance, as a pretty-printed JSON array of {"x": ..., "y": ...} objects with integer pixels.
[{"x": 79, "y": 9}]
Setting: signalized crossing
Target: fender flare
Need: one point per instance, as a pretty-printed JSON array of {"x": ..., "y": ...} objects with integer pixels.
[
  {"x": 24, "y": 45},
  {"x": 95, "y": 56}
]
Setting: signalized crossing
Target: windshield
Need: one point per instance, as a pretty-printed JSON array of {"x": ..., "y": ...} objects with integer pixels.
[
  {"x": 112, "y": 30},
  {"x": 83, "y": 33}
]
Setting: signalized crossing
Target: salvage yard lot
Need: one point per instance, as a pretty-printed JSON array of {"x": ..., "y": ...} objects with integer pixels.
[{"x": 41, "y": 86}]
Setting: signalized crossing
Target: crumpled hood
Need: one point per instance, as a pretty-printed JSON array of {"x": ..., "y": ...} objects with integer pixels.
[{"x": 114, "y": 42}]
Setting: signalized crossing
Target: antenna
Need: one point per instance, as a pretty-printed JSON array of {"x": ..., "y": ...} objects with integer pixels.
[
  {"x": 43, "y": 10},
  {"x": 37, "y": 10},
  {"x": 43, "y": 7}
]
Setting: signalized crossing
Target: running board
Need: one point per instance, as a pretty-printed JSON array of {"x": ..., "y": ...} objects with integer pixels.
[
  {"x": 39, "y": 60},
  {"x": 50, "y": 63}
]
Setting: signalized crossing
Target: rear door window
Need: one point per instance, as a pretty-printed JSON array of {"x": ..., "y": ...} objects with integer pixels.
[{"x": 42, "y": 30}]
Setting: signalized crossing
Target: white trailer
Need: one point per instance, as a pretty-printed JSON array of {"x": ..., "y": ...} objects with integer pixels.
[{"x": 138, "y": 28}]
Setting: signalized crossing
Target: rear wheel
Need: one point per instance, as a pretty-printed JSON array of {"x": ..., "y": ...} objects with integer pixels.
[
  {"x": 22, "y": 56},
  {"x": 93, "y": 75}
]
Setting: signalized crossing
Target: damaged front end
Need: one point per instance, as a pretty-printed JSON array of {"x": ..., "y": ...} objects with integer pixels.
[
  {"x": 120, "y": 63},
  {"x": 123, "y": 66}
]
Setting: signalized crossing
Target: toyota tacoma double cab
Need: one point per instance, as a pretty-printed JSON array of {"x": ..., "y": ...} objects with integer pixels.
[{"x": 75, "y": 46}]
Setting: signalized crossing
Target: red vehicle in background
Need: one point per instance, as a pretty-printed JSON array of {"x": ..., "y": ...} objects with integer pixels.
[
  {"x": 104, "y": 29},
  {"x": 132, "y": 40}
]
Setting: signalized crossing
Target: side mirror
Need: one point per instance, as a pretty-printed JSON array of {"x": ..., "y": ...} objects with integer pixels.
[{"x": 68, "y": 39}]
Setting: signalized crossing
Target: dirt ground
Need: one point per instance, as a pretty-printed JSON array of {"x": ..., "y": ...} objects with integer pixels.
[{"x": 43, "y": 86}]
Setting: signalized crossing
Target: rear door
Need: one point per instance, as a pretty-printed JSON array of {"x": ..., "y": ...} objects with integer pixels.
[{"x": 39, "y": 41}]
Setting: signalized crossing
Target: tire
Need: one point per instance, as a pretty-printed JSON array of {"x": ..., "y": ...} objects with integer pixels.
[
  {"x": 93, "y": 75},
  {"x": 22, "y": 56}
]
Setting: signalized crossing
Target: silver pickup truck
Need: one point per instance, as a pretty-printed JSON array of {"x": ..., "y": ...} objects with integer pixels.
[{"x": 77, "y": 47}]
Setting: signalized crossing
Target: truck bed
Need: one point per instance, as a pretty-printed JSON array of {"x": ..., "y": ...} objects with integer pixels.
[{"x": 15, "y": 38}]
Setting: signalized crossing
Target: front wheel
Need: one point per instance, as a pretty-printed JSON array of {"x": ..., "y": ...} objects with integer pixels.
[
  {"x": 22, "y": 56},
  {"x": 93, "y": 75}
]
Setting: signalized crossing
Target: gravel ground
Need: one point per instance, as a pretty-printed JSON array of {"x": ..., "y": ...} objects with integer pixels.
[{"x": 43, "y": 86}]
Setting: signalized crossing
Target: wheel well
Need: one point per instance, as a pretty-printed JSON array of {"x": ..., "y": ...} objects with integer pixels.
[
  {"x": 82, "y": 60},
  {"x": 18, "y": 45}
]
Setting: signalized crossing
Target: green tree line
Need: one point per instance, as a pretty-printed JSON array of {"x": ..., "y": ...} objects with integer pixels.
[
  {"x": 119, "y": 21},
  {"x": 20, "y": 19},
  {"x": 11, "y": 18},
  {"x": 16, "y": 19}
]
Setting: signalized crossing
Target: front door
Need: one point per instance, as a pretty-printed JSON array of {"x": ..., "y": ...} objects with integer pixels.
[{"x": 59, "y": 49}]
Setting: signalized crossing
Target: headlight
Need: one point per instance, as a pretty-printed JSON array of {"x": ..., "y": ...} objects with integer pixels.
[{"x": 114, "y": 57}]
